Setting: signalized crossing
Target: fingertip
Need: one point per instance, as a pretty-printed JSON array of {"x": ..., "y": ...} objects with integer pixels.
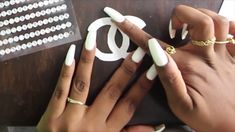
[{"x": 69, "y": 60}]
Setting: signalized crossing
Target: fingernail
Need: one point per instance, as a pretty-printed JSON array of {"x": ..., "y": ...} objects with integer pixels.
[
  {"x": 90, "y": 41},
  {"x": 115, "y": 15},
  {"x": 138, "y": 55},
  {"x": 184, "y": 31},
  {"x": 151, "y": 73},
  {"x": 171, "y": 30},
  {"x": 158, "y": 54},
  {"x": 70, "y": 55},
  {"x": 160, "y": 128}
]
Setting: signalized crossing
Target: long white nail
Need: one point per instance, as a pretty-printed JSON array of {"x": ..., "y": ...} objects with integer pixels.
[
  {"x": 172, "y": 31},
  {"x": 151, "y": 73},
  {"x": 158, "y": 54},
  {"x": 184, "y": 31},
  {"x": 90, "y": 41},
  {"x": 115, "y": 15},
  {"x": 160, "y": 128},
  {"x": 138, "y": 55},
  {"x": 70, "y": 55}
]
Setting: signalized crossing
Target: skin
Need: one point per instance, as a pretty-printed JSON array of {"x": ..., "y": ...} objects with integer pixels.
[
  {"x": 199, "y": 86},
  {"x": 108, "y": 112}
]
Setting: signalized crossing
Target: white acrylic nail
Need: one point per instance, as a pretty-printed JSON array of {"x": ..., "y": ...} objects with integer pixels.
[
  {"x": 70, "y": 55},
  {"x": 160, "y": 128},
  {"x": 172, "y": 31},
  {"x": 90, "y": 41},
  {"x": 184, "y": 31},
  {"x": 151, "y": 73},
  {"x": 115, "y": 15},
  {"x": 158, "y": 54},
  {"x": 138, "y": 55}
]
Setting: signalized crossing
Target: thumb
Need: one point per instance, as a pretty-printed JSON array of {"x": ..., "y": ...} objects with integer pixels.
[{"x": 170, "y": 77}]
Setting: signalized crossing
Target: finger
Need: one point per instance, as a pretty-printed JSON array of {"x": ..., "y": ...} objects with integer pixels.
[
  {"x": 137, "y": 35},
  {"x": 58, "y": 101},
  {"x": 230, "y": 47},
  {"x": 221, "y": 27},
  {"x": 170, "y": 77},
  {"x": 200, "y": 26},
  {"x": 81, "y": 81},
  {"x": 126, "y": 107},
  {"x": 108, "y": 97}
]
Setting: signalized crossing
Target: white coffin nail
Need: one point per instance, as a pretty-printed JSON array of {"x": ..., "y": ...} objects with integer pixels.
[
  {"x": 184, "y": 31},
  {"x": 160, "y": 128},
  {"x": 138, "y": 55},
  {"x": 171, "y": 30},
  {"x": 70, "y": 55},
  {"x": 90, "y": 41},
  {"x": 158, "y": 54},
  {"x": 151, "y": 73},
  {"x": 115, "y": 15}
]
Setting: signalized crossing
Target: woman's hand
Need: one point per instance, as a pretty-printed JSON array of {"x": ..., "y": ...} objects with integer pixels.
[
  {"x": 198, "y": 80},
  {"x": 108, "y": 112}
]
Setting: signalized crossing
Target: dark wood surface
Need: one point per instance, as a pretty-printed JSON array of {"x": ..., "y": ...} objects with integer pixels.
[{"x": 27, "y": 82}]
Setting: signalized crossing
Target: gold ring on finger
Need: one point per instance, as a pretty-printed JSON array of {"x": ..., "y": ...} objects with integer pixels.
[
  {"x": 72, "y": 101},
  {"x": 230, "y": 40},
  {"x": 170, "y": 50},
  {"x": 203, "y": 43}
]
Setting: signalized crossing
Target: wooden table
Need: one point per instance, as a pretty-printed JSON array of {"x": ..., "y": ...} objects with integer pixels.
[{"x": 27, "y": 82}]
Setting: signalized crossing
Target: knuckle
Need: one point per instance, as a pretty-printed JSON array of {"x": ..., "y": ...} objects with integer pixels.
[
  {"x": 128, "y": 67},
  {"x": 178, "y": 8},
  {"x": 87, "y": 59},
  {"x": 144, "y": 84},
  {"x": 59, "y": 92},
  {"x": 222, "y": 21},
  {"x": 79, "y": 85},
  {"x": 206, "y": 21},
  {"x": 131, "y": 105},
  {"x": 66, "y": 74},
  {"x": 114, "y": 91}
]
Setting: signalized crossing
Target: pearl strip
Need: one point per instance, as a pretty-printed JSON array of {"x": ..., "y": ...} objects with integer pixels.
[
  {"x": 34, "y": 24},
  {"x": 33, "y": 15},
  {"x": 11, "y": 2},
  {"x": 35, "y": 43},
  {"x": 28, "y": 7},
  {"x": 35, "y": 33}
]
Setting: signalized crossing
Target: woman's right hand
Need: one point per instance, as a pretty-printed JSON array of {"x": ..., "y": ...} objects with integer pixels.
[{"x": 198, "y": 80}]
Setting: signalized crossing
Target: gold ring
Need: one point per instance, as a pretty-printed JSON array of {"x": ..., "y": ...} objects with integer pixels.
[
  {"x": 229, "y": 40},
  {"x": 170, "y": 50},
  {"x": 204, "y": 43},
  {"x": 72, "y": 101}
]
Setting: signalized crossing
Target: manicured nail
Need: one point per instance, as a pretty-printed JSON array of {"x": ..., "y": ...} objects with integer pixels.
[
  {"x": 115, "y": 15},
  {"x": 158, "y": 54},
  {"x": 184, "y": 31},
  {"x": 138, "y": 55},
  {"x": 90, "y": 41},
  {"x": 151, "y": 73},
  {"x": 171, "y": 30},
  {"x": 160, "y": 128},
  {"x": 70, "y": 55}
]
